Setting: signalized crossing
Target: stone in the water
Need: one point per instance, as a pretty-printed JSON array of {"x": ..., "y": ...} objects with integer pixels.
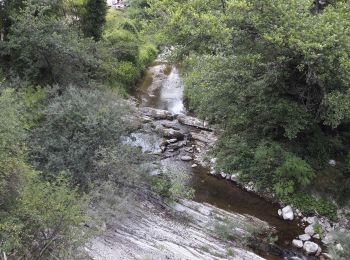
[
  {"x": 297, "y": 243},
  {"x": 186, "y": 158},
  {"x": 310, "y": 248},
  {"x": 223, "y": 175},
  {"x": 310, "y": 230},
  {"x": 305, "y": 237},
  {"x": 194, "y": 165},
  {"x": 287, "y": 213}
]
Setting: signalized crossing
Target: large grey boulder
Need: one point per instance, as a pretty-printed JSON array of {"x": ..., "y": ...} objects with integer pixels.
[
  {"x": 157, "y": 114},
  {"x": 192, "y": 121},
  {"x": 310, "y": 248},
  {"x": 287, "y": 213},
  {"x": 171, "y": 133}
]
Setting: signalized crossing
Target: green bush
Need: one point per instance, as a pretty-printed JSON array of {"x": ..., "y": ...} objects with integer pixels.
[
  {"x": 310, "y": 205},
  {"x": 172, "y": 185},
  {"x": 45, "y": 222},
  {"x": 76, "y": 125}
]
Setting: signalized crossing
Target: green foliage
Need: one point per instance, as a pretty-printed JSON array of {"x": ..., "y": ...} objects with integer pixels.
[
  {"x": 43, "y": 50},
  {"x": 12, "y": 150},
  {"x": 172, "y": 185},
  {"x": 45, "y": 222},
  {"x": 76, "y": 125},
  {"x": 309, "y": 205},
  {"x": 94, "y": 18},
  {"x": 274, "y": 74}
]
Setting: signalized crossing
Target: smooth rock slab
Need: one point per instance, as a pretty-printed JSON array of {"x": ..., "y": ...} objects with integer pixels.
[
  {"x": 297, "y": 243},
  {"x": 310, "y": 248}
]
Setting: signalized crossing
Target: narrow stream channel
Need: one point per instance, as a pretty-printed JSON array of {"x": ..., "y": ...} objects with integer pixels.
[{"x": 162, "y": 89}]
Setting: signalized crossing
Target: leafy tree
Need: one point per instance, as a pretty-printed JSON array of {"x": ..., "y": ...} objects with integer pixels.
[
  {"x": 271, "y": 72},
  {"x": 94, "y": 18}
]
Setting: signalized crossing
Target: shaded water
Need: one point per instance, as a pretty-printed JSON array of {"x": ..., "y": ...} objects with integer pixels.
[{"x": 162, "y": 89}]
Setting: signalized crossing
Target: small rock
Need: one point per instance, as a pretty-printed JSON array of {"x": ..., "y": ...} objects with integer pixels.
[
  {"x": 189, "y": 149},
  {"x": 223, "y": 175},
  {"x": 194, "y": 165},
  {"x": 228, "y": 177},
  {"x": 171, "y": 141},
  {"x": 310, "y": 248},
  {"x": 339, "y": 247},
  {"x": 212, "y": 172},
  {"x": 332, "y": 163},
  {"x": 287, "y": 213},
  {"x": 186, "y": 158},
  {"x": 328, "y": 239},
  {"x": 305, "y": 237},
  {"x": 310, "y": 230},
  {"x": 297, "y": 243},
  {"x": 317, "y": 236},
  {"x": 311, "y": 220},
  {"x": 213, "y": 160},
  {"x": 279, "y": 212}
]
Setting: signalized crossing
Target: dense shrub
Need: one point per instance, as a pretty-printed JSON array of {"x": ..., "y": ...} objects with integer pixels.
[{"x": 76, "y": 125}]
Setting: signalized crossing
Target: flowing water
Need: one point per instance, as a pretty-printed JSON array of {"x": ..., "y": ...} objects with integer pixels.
[{"x": 162, "y": 89}]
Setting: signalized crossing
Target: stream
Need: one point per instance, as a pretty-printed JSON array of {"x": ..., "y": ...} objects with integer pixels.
[{"x": 162, "y": 88}]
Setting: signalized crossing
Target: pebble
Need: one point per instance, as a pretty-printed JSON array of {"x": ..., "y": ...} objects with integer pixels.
[{"x": 186, "y": 158}]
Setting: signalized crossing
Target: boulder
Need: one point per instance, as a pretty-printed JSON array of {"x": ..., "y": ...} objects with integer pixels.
[
  {"x": 287, "y": 213},
  {"x": 297, "y": 243},
  {"x": 186, "y": 158},
  {"x": 310, "y": 230},
  {"x": 157, "y": 114},
  {"x": 170, "y": 125},
  {"x": 171, "y": 133},
  {"x": 305, "y": 237},
  {"x": 310, "y": 248},
  {"x": 194, "y": 122}
]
